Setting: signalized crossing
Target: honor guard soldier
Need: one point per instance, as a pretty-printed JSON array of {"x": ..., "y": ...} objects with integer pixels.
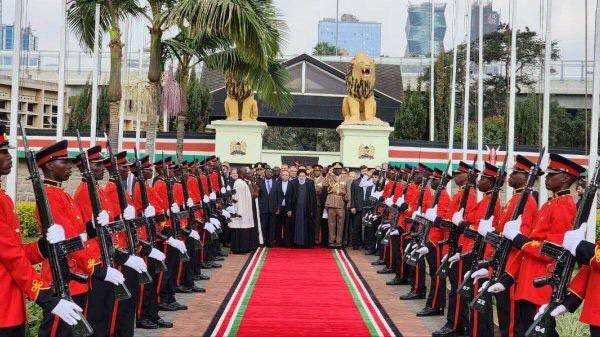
[
  {"x": 401, "y": 267},
  {"x": 18, "y": 278},
  {"x": 551, "y": 222},
  {"x": 55, "y": 163},
  {"x": 457, "y": 312}
]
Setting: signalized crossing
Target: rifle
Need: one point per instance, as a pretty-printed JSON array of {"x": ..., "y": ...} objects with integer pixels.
[
  {"x": 131, "y": 236},
  {"x": 175, "y": 217},
  {"x": 190, "y": 210},
  {"x": 148, "y": 223},
  {"x": 57, "y": 252},
  {"x": 414, "y": 225},
  {"x": 466, "y": 288},
  {"x": 502, "y": 244},
  {"x": 564, "y": 262},
  {"x": 103, "y": 233},
  {"x": 455, "y": 231},
  {"x": 424, "y": 223}
]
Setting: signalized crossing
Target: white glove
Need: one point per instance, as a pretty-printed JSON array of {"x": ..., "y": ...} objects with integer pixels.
[
  {"x": 157, "y": 255},
  {"x": 496, "y": 288},
  {"x": 209, "y": 227},
  {"x": 423, "y": 251},
  {"x": 561, "y": 309},
  {"x": 136, "y": 263},
  {"x": 457, "y": 217},
  {"x": 55, "y": 234},
  {"x": 228, "y": 188},
  {"x": 485, "y": 226},
  {"x": 149, "y": 211},
  {"x": 103, "y": 219},
  {"x": 206, "y": 199},
  {"x": 512, "y": 228},
  {"x": 389, "y": 202},
  {"x": 189, "y": 202},
  {"x": 231, "y": 210},
  {"x": 223, "y": 190},
  {"x": 454, "y": 258},
  {"x": 83, "y": 237},
  {"x": 114, "y": 276},
  {"x": 400, "y": 201},
  {"x": 212, "y": 196},
  {"x": 480, "y": 273},
  {"x": 431, "y": 214},
  {"x": 177, "y": 244},
  {"x": 574, "y": 237},
  {"x": 194, "y": 235},
  {"x": 225, "y": 214},
  {"x": 215, "y": 222},
  {"x": 416, "y": 213},
  {"x": 174, "y": 208},
  {"x": 68, "y": 311},
  {"x": 129, "y": 212}
]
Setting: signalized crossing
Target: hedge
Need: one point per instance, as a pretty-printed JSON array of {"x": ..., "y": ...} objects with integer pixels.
[{"x": 29, "y": 224}]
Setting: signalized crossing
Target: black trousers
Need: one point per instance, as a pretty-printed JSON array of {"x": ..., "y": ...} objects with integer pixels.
[
  {"x": 482, "y": 323},
  {"x": 101, "y": 298},
  {"x": 437, "y": 287},
  {"x": 187, "y": 274},
  {"x": 594, "y": 331},
  {"x": 168, "y": 281},
  {"x": 268, "y": 223},
  {"x": 402, "y": 270},
  {"x": 394, "y": 252},
  {"x": 457, "y": 316},
  {"x": 53, "y": 326},
  {"x": 124, "y": 321},
  {"x": 418, "y": 279},
  {"x": 525, "y": 313},
  {"x": 505, "y": 307},
  {"x": 148, "y": 302},
  {"x": 13, "y": 331},
  {"x": 356, "y": 229}
]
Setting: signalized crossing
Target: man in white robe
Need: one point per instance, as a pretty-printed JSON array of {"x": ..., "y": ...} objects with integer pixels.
[{"x": 242, "y": 225}]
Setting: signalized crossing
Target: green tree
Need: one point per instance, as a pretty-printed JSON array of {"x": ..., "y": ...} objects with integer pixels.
[
  {"x": 324, "y": 48},
  {"x": 411, "y": 118},
  {"x": 80, "y": 105},
  {"x": 199, "y": 105}
]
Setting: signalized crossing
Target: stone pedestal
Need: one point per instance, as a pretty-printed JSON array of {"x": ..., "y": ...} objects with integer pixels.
[
  {"x": 238, "y": 142},
  {"x": 364, "y": 144}
]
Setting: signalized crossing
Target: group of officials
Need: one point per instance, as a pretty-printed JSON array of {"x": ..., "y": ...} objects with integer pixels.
[
  {"x": 517, "y": 301},
  {"x": 102, "y": 300}
]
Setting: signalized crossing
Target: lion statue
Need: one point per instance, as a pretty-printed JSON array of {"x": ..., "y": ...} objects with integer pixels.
[
  {"x": 359, "y": 106},
  {"x": 240, "y": 104}
]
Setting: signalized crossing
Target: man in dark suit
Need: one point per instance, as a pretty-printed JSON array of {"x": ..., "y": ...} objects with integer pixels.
[
  {"x": 285, "y": 225},
  {"x": 360, "y": 191},
  {"x": 268, "y": 205}
]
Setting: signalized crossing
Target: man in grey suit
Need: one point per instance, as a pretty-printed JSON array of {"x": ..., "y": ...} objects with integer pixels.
[{"x": 360, "y": 192}]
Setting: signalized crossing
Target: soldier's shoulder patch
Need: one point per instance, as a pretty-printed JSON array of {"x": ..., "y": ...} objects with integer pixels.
[{"x": 36, "y": 285}]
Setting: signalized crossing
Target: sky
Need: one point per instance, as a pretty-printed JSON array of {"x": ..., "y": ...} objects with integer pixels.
[{"x": 302, "y": 17}]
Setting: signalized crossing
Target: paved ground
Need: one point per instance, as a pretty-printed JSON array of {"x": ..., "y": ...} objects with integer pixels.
[{"x": 202, "y": 307}]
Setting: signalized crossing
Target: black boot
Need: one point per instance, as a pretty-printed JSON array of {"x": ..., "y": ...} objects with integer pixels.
[{"x": 413, "y": 296}]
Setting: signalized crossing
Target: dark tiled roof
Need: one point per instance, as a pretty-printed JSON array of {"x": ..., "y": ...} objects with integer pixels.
[{"x": 388, "y": 76}]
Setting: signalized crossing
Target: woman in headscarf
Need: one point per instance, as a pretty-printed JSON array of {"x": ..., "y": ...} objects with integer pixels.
[{"x": 304, "y": 206}]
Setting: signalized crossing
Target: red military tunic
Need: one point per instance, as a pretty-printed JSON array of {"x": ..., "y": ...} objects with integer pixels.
[
  {"x": 412, "y": 199},
  {"x": 477, "y": 215},
  {"x": 17, "y": 277},
  {"x": 67, "y": 214},
  {"x": 586, "y": 285},
  {"x": 550, "y": 224},
  {"x": 111, "y": 193},
  {"x": 443, "y": 211},
  {"x": 463, "y": 241},
  {"x": 160, "y": 188},
  {"x": 154, "y": 199},
  {"x": 214, "y": 181}
]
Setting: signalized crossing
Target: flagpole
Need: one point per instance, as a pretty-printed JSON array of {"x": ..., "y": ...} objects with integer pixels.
[
  {"x": 591, "y": 234},
  {"x": 453, "y": 92},
  {"x": 95, "y": 79},
  {"x": 480, "y": 89},
  {"x": 513, "y": 92},
  {"x": 431, "y": 76},
  {"x": 124, "y": 88},
  {"x": 11, "y": 180},
  {"x": 61, "y": 70},
  {"x": 546, "y": 103},
  {"x": 465, "y": 134}
]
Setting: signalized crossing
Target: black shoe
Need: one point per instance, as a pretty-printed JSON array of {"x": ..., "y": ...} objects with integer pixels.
[
  {"x": 165, "y": 307},
  {"x": 404, "y": 282},
  {"x": 163, "y": 324},
  {"x": 412, "y": 296},
  {"x": 197, "y": 289},
  {"x": 445, "y": 331},
  {"x": 178, "y": 306},
  {"x": 385, "y": 270},
  {"x": 378, "y": 263},
  {"x": 201, "y": 277},
  {"x": 370, "y": 252},
  {"x": 222, "y": 253},
  {"x": 430, "y": 312},
  {"x": 146, "y": 324},
  {"x": 394, "y": 282},
  {"x": 205, "y": 265},
  {"x": 215, "y": 265},
  {"x": 183, "y": 290},
  {"x": 218, "y": 258}
]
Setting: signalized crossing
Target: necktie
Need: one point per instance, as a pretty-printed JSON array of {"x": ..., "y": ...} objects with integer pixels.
[{"x": 269, "y": 186}]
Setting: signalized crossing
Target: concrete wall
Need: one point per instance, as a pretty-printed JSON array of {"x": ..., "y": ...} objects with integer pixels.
[{"x": 273, "y": 157}]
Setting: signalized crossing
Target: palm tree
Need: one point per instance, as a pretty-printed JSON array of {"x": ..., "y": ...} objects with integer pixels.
[
  {"x": 80, "y": 15},
  {"x": 240, "y": 37}
]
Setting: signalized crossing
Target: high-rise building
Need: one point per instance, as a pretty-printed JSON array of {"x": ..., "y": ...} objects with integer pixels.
[
  {"x": 491, "y": 20},
  {"x": 418, "y": 29},
  {"x": 353, "y": 35},
  {"x": 29, "y": 42}
]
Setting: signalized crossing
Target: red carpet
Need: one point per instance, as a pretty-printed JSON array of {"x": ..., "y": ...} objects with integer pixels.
[{"x": 301, "y": 292}]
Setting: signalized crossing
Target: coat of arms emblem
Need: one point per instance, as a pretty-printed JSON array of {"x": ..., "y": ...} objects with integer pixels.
[
  {"x": 366, "y": 151},
  {"x": 237, "y": 148}
]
